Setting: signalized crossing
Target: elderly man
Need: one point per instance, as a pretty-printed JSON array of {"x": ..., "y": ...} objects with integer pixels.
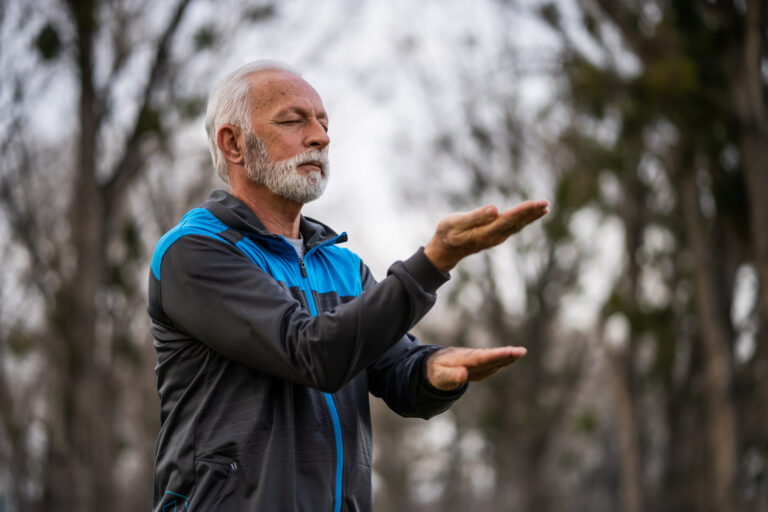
[{"x": 270, "y": 336}]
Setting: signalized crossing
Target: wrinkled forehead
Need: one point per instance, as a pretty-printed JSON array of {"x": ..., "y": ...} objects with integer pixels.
[{"x": 274, "y": 89}]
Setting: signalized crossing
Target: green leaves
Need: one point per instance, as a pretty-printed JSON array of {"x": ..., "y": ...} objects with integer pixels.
[
  {"x": 20, "y": 342},
  {"x": 190, "y": 107},
  {"x": 260, "y": 12},
  {"x": 150, "y": 121},
  {"x": 205, "y": 37},
  {"x": 48, "y": 42},
  {"x": 551, "y": 14}
]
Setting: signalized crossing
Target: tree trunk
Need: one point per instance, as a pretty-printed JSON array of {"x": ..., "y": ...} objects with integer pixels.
[
  {"x": 83, "y": 445},
  {"x": 620, "y": 361},
  {"x": 715, "y": 336},
  {"x": 627, "y": 426},
  {"x": 749, "y": 101}
]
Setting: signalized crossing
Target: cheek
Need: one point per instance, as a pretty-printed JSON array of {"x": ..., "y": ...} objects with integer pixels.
[{"x": 286, "y": 146}]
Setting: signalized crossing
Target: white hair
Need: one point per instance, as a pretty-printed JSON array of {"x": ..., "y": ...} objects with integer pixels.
[{"x": 229, "y": 103}]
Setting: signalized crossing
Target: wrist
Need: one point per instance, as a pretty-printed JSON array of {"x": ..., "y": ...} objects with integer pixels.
[
  {"x": 438, "y": 258},
  {"x": 425, "y": 272}
]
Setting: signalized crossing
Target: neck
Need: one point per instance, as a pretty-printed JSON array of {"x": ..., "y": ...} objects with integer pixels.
[{"x": 279, "y": 215}]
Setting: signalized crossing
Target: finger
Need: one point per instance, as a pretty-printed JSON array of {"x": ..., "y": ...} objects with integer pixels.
[
  {"x": 481, "y": 372},
  {"x": 515, "y": 219},
  {"x": 500, "y": 354},
  {"x": 475, "y": 218},
  {"x": 491, "y": 366},
  {"x": 524, "y": 213},
  {"x": 476, "y": 375},
  {"x": 483, "y": 356}
]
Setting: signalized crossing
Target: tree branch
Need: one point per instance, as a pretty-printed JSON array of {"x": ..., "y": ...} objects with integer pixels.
[
  {"x": 23, "y": 224},
  {"x": 132, "y": 161},
  {"x": 619, "y": 16}
]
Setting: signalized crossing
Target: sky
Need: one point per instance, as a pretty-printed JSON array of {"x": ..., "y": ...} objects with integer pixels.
[
  {"x": 370, "y": 62},
  {"x": 392, "y": 75},
  {"x": 388, "y": 73}
]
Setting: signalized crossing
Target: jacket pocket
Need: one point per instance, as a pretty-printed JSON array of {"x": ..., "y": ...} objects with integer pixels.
[{"x": 217, "y": 486}]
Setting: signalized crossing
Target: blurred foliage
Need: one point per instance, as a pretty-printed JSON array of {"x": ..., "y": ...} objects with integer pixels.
[
  {"x": 205, "y": 37},
  {"x": 48, "y": 42},
  {"x": 653, "y": 130},
  {"x": 77, "y": 210},
  {"x": 669, "y": 85},
  {"x": 647, "y": 133}
]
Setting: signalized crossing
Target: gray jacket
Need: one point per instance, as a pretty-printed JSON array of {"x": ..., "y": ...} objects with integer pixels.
[{"x": 265, "y": 361}]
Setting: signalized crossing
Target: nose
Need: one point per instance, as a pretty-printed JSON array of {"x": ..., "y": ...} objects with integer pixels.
[{"x": 317, "y": 137}]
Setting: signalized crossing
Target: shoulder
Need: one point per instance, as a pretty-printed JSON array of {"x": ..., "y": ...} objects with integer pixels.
[{"x": 199, "y": 222}]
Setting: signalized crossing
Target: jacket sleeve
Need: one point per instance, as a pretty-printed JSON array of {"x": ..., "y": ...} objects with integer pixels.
[
  {"x": 399, "y": 375},
  {"x": 213, "y": 292}
]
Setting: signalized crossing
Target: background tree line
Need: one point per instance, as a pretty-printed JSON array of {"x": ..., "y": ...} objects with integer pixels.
[
  {"x": 648, "y": 394},
  {"x": 658, "y": 130}
]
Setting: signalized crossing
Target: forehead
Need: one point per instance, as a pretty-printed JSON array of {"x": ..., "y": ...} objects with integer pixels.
[{"x": 274, "y": 90}]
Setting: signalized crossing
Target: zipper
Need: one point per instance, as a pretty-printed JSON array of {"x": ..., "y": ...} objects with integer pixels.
[
  {"x": 330, "y": 241},
  {"x": 339, "y": 450},
  {"x": 328, "y": 396},
  {"x": 302, "y": 268}
]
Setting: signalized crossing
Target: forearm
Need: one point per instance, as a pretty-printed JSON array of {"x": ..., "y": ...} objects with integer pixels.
[
  {"x": 399, "y": 378},
  {"x": 244, "y": 314}
]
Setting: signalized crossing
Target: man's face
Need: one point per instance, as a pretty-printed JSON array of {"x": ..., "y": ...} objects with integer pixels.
[
  {"x": 288, "y": 150},
  {"x": 283, "y": 177}
]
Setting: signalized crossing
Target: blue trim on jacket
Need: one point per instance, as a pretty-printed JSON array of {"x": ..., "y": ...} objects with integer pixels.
[{"x": 331, "y": 268}]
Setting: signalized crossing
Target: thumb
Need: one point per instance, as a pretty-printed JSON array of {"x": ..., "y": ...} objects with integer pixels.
[{"x": 449, "y": 378}]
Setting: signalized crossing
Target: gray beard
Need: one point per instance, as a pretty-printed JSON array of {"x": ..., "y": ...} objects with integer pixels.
[{"x": 283, "y": 177}]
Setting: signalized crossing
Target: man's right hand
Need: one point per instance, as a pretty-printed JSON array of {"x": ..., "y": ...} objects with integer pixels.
[{"x": 461, "y": 234}]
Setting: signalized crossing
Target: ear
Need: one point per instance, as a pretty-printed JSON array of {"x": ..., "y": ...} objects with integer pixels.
[{"x": 231, "y": 144}]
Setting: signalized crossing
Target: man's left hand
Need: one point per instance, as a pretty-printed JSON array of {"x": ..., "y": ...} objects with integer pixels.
[{"x": 450, "y": 367}]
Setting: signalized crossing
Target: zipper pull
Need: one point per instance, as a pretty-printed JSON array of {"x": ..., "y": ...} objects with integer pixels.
[
  {"x": 302, "y": 267},
  {"x": 233, "y": 466}
]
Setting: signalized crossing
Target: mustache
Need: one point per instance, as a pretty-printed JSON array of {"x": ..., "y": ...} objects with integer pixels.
[{"x": 309, "y": 156}]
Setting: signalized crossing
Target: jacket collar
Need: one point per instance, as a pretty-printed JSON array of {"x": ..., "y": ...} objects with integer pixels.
[{"x": 237, "y": 215}]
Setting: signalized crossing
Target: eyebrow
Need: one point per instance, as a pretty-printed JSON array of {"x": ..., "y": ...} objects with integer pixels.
[{"x": 302, "y": 112}]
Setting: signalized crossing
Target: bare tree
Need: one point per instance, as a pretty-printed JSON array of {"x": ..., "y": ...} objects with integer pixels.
[
  {"x": 79, "y": 436},
  {"x": 676, "y": 135}
]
